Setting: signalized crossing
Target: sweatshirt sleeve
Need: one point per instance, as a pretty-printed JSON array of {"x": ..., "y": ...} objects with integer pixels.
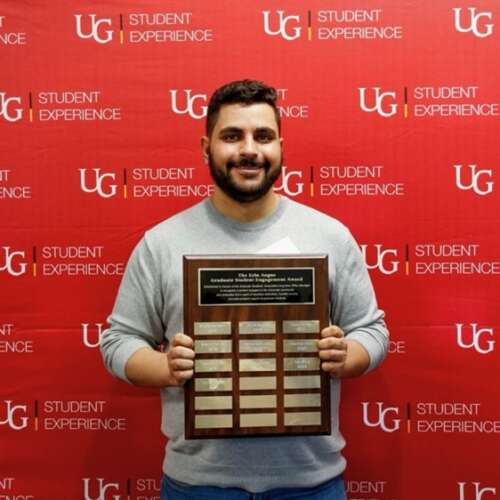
[
  {"x": 354, "y": 306},
  {"x": 136, "y": 320}
]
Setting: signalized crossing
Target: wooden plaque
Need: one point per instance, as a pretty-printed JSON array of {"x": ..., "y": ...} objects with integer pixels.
[{"x": 255, "y": 321}]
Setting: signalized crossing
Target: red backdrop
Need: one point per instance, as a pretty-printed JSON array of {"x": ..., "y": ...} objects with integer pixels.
[{"x": 391, "y": 122}]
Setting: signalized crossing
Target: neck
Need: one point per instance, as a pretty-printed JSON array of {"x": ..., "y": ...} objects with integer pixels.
[{"x": 245, "y": 212}]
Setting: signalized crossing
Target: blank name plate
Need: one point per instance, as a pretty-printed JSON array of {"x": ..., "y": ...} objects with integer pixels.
[{"x": 255, "y": 321}]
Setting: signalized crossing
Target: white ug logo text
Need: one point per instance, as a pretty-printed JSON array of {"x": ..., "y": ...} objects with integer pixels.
[
  {"x": 190, "y": 108},
  {"x": 473, "y": 22},
  {"x": 486, "y": 188},
  {"x": 383, "y": 420},
  {"x": 98, "y": 184},
  {"x": 15, "y": 422},
  {"x": 13, "y": 268},
  {"x": 378, "y": 102},
  {"x": 5, "y": 102},
  {"x": 475, "y": 336},
  {"x": 94, "y": 29}
]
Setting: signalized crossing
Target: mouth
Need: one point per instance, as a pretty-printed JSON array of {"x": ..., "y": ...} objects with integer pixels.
[{"x": 249, "y": 165}]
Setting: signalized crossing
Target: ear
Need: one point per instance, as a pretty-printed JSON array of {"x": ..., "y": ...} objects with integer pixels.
[{"x": 205, "y": 148}]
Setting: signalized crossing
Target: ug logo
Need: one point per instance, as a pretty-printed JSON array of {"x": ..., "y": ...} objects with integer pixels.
[
  {"x": 383, "y": 420},
  {"x": 378, "y": 100},
  {"x": 98, "y": 186},
  {"x": 473, "y": 22},
  {"x": 485, "y": 189},
  {"x": 5, "y": 103},
  {"x": 283, "y": 20},
  {"x": 285, "y": 186},
  {"x": 189, "y": 108},
  {"x": 102, "y": 487},
  {"x": 14, "y": 269},
  {"x": 94, "y": 31},
  {"x": 86, "y": 337},
  {"x": 15, "y": 422},
  {"x": 477, "y": 491},
  {"x": 380, "y": 260},
  {"x": 475, "y": 342}
]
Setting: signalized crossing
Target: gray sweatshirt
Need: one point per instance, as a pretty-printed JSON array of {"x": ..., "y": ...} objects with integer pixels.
[{"x": 149, "y": 312}]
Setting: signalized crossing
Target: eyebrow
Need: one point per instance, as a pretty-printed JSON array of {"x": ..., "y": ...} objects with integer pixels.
[{"x": 238, "y": 130}]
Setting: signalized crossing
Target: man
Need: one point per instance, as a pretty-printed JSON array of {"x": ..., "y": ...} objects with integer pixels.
[{"x": 243, "y": 149}]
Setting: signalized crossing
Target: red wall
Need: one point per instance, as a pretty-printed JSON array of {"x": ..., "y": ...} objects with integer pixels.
[{"x": 391, "y": 122}]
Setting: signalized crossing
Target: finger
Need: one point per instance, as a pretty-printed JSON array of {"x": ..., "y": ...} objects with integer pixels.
[
  {"x": 182, "y": 376},
  {"x": 179, "y": 364},
  {"x": 332, "y": 355},
  {"x": 181, "y": 352},
  {"x": 331, "y": 367},
  {"x": 332, "y": 331},
  {"x": 183, "y": 340},
  {"x": 332, "y": 343}
]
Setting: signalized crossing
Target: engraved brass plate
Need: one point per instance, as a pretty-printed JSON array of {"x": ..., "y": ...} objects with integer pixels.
[
  {"x": 298, "y": 400},
  {"x": 213, "y": 421},
  {"x": 302, "y": 345},
  {"x": 212, "y": 346},
  {"x": 297, "y": 364},
  {"x": 213, "y": 365},
  {"x": 264, "y": 401},
  {"x": 301, "y": 326},
  {"x": 257, "y": 346},
  {"x": 303, "y": 418},
  {"x": 213, "y": 384},
  {"x": 212, "y": 328},
  {"x": 213, "y": 403},
  {"x": 258, "y": 420},
  {"x": 258, "y": 365},
  {"x": 257, "y": 383},
  {"x": 254, "y": 327},
  {"x": 303, "y": 382}
]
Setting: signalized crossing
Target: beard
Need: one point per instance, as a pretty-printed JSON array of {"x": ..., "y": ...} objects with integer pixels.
[{"x": 225, "y": 180}]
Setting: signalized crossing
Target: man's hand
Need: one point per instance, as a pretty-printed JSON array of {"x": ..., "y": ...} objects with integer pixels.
[
  {"x": 340, "y": 357},
  {"x": 333, "y": 351},
  {"x": 180, "y": 359}
]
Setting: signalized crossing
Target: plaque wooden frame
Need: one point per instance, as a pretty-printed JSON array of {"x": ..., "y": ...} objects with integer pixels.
[{"x": 219, "y": 393}]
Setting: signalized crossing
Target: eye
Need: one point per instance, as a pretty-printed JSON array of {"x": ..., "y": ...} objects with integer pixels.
[
  {"x": 231, "y": 137},
  {"x": 264, "y": 137}
]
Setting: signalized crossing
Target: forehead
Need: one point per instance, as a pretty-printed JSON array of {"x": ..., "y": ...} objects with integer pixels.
[{"x": 250, "y": 117}]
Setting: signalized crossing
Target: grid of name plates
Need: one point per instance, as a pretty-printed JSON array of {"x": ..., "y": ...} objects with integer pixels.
[{"x": 264, "y": 375}]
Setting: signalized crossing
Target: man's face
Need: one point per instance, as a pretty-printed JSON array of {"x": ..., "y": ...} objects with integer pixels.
[{"x": 244, "y": 151}]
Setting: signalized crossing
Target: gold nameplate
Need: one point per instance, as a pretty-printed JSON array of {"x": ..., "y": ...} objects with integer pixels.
[
  {"x": 209, "y": 346},
  {"x": 213, "y": 365},
  {"x": 266, "y": 401},
  {"x": 212, "y": 328},
  {"x": 213, "y": 384},
  {"x": 213, "y": 403},
  {"x": 303, "y": 382},
  {"x": 303, "y": 345},
  {"x": 257, "y": 383},
  {"x": 299, "y": 400},
  {"x": 257, "y": 345},
  {"x": 258, "y": 365},
  {"x": 296, "y": 364},
  {"x": 258, "y": 420},
  {"x": 213, "y": 421},
  {"x": 303, "y": 418},
  {"x": 254, "y": 327},
  {"x": 301, "y": 326}
]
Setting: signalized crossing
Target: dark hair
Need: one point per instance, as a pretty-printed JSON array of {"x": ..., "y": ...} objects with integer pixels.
[{"x": 245, "y": 92}]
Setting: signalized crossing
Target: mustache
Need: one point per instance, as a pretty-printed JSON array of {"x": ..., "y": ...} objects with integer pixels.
[{"x": 247, "y": 162}]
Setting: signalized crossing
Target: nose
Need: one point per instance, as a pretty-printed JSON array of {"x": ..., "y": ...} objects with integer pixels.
[{"x": 248, "y": 147}]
